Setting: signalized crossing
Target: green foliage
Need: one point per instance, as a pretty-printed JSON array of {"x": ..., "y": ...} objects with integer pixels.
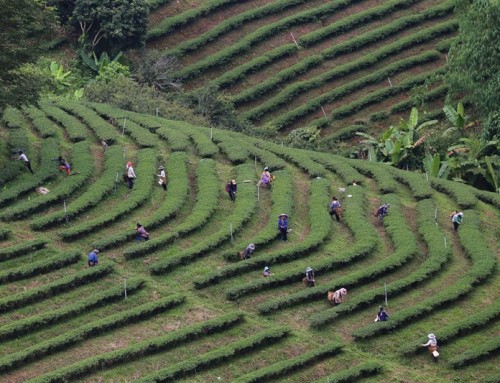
[
  {"x": 87, "y": 331},
  {"x": 459, "y": 327},
  {"x": 62, "y": 285},
  {"x": 320, "y": 227},
  {"x": 246, "y": 203},
  {"x": 142, "y": 190},
  {"x": 22, "y": 248},
  {"x": 434, "y": 167},
  {"x": 385, "y": 179},
  {"x": 111, "y": 25},
  {"x": 4, "y": 233},
  {"x": 39, "y": 267},
  {"x": 486, "y": 349},
  {"x": 483, "y": 264},
  {"x": 81, "y": 160},
  {"x": 206, "y": 202},
  {"x": 474, "y": 60},
  {"x": 93, "y": 195},
  {"x": 177, "y": 140},
  {"x": 45, "y": 172},
  {"x": 287, "y": 366},
  {"x": 178, "y": 189},
  {"x": 218, "y": 355},
  {"x": 25, "y": 25},
  {"x": 74, "y": 128},
  {"x": 139, "y": 349},
  {"x": 46, "y": 127},
  {"x": 438, "y": 255},
  {"x": 352, "y": 374},
  {"x": 465, "y": 198},
  {"x": 26, "y": 325},
  {"x": 419, "y": 187},
  {"x": 169, "y": 24},
  {"x": 103, "y": 130}
]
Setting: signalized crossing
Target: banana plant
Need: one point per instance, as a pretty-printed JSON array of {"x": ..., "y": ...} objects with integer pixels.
[
  {"x": 493, "y": 175},
  {"x": 59, "y": 76},
  {"x": 435, "y": 167},
  {"x": 457, "y": 118},
  {"x": 97, "y": 64}
]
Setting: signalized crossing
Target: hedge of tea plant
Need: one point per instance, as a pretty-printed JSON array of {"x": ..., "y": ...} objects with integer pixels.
[
  {"x": 74, "y": 128},
  {"x": 41, "y": 122},
  {"x": 20, "y": 249}
]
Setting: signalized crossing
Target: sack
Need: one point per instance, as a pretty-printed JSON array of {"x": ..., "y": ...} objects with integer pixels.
[
  {"x": 340, "y": 210},
  {"x": 435, "y": 354},
  {"x": 241, "y": 254},
  {"x": 330, "y": 295},
  {"x": 375, "y": 213},
  {"x": 160, "y": 182},
  {"x": 227, "y": 188}
]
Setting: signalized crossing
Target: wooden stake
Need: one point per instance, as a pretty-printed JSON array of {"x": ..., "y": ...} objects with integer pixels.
[
  {"x": 390, "y": 83},
  {"x": 295, "y": 41},
  {"x": 323, "y": 109},
  {"x": 385, "y": 291},
  {"x": 124, "y": 123}
]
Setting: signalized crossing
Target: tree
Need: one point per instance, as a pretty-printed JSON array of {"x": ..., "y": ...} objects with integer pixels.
[
  {"x": 111, "y": 25},
  {"x": 474, "y": 58},
  {"x": 157, "y": 70},
  {"x": 25, "y": 25}
]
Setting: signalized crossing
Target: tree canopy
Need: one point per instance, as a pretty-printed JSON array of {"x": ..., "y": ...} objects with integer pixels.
[
  {"x": 474, "y": 58},
  {"x": 25, "y": 25},
  {"x": 111, "y": 25}
]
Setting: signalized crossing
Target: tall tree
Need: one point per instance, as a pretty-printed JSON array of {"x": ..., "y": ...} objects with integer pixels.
[
  {"x": 111, "y": 25},
  {"x": 474, "y": 58},
  {"x": 25, "y": 25}
]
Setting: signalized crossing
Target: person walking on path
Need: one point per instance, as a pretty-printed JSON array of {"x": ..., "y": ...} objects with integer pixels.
[
  {"x": 432, "y": 346},
  {"x": 382, "y": 316},
  {"x": 283, "y": 226},
  {"x": 92, "y": 258},
  {"x": 309, "y": 280},
  {"x": 130, "y": 175},
  {"x": 232, "y": 188},
  {"x": 162, "y": 178},
  {"x": 142, "y": 234},
  {"x": 24, "y": 158},
  {"x": 457, "y": 220},
  {"x": 337, "y": 297},
  {"x": 334, "y": 206}
]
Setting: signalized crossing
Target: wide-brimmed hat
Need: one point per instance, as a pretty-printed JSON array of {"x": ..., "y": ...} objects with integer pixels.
[
  {"x": 129, "y": 163},
  {"x": 266, "y": 268},
  {"x": 431, "y": 336},
  {"x": 266, "y": 168},
  {"x": 283, "y": 215},
  {"x": 161, "y": 168},
  {"x": 309, "y": 269},
  {"x": 343, "y": 291},
  {"x": 251, "y": 246},
  {"x": 96, "y": 250}
]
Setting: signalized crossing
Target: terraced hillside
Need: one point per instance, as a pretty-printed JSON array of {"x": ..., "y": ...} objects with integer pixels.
[
  {"x": 183, "y": 307},
  {"x": 296, "y": 63}
]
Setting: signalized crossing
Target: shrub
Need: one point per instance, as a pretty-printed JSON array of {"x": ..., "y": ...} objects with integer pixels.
[
  {"x": 218, "y": 355},
  {"x": 287, "y": 366},
  {"x": 352, "y": 374},
  {"x": 62, "y": 285},
  {"x": 139, "y": 349},
  {"x": 75, "y": 129},
  {"x": 40, "y": 122},
  {"x": 87, "y": 331},
  {"x": 22, "y": 248},
  {"x": 92, "y": 196},
  {"x": 38, "y": 267},
  {"x": 488, "y": 348}
]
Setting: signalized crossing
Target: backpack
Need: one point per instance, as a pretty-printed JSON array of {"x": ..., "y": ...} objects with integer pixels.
[{"x": 227, "y": 187}]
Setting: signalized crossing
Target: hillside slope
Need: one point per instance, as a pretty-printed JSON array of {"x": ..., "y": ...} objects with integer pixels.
[
  {"x": 183, "y": 307},
  {"x": 295, "y": 63}
]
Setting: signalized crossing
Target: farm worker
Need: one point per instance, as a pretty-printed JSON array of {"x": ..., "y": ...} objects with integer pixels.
[
  {"x": 24, "y": 158},
  {"x": 130, "y": 175},
  {"x": 232, "y": 188},
  {"x": 309, "y": 280},
  {"x": 457, "y": 220},
  {"x": 265, "y": 178},
  {"x": 248, "y": 251},
  {"x": 283, "y": 226},
  {"x": 382, "y": 316},
  {"x": 63, "y": 165},
  {"x": 432, "y": 346},
  {"x": 163, "y": 178},
  {"x": 141, "y": 233},
  {"x": 334, "y": 205},
  {"x": 92, "y": 258},
  {"x": 337, "y": 297},
  {"x": 382, "y": 211},
  {"x": 267, "y": 272}
]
